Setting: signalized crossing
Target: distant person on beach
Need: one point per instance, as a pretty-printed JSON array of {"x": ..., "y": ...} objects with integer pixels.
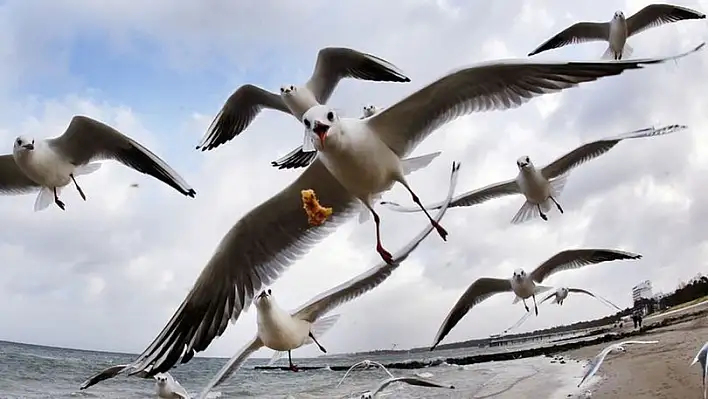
[{"x": 637, "y": 318}]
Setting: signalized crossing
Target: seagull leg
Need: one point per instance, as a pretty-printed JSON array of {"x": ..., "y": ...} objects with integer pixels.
[
  {"x": 534, "y": 304},
  {"x": 540, "y": 212},
  {"x": 57, "y": 201},
  {"x": 290, "y": 360},
  {"x": 318, "y": 344},
  {"x": 81, "y": 192},
  {"x": 526, "y": 306},
  {"x": 441, "y": 231},
  {"x": 557, "y": 204},
  {"x": 385, "y": 255}
]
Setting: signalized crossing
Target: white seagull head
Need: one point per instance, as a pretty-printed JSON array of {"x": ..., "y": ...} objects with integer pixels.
[
  {"x": 264, "y": 299},
  {"x": 524, "y": 162},
  {"x": 23, "y": 143},
  {"x": 320, "y": 122},
  {"x": 288, "y": 90},
  {"x": 161, "y": 379},
  {"x": 618, "y": 15},
  {"x": 366, "y": 395},
  {"x": 519, "y": 274},
  {"x": 369, "y": 110}
]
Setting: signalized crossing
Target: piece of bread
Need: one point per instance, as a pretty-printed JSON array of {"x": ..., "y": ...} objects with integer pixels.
[{"x": 316, "y": 213}]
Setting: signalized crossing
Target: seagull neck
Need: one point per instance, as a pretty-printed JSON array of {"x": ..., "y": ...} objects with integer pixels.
[{"x": 300, "y": 102}]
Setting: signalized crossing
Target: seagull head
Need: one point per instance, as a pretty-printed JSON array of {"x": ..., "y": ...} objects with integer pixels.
[
  {"x": 23, "y": 143},
  {"x": 618, "y": 15},
  {"x": 366, "y": 395},
  {"x": 519, "y": 274},
  {"x": 161, "y": 379},
  {"x": 524, "y": 162},
  {"x": 263, "y": 298},
  {"x": 287, "y": 90},
  {"x": 319, "y": 121},
  {"x": 369, "y": 110},
  {"x": 562, "y": 292}
]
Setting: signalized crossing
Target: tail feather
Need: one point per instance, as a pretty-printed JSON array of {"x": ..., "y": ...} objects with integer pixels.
[
  {"x": 86, "y": 169},
  {"x": 527, "y": 212},
  {"x": 541, "y": 289},
  {"x": 321, "y": 326},
  {"x": 608, "y": 54},
  {"x": 276, "y": 356},
  {"x": 45, "y": 197},
  {"x": 627, "y": 51},
  {"x": 412, "y": 164}
]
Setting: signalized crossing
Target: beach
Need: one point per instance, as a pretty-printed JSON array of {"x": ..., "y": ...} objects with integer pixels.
[{"x": 653, "y": 370}]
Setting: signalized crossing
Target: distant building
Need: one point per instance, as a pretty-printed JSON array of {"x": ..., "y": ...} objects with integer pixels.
[{"x": 641, "y": 290}]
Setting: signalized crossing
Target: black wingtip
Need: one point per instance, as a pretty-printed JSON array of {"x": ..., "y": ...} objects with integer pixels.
[
  {"x": 452, "y": 387},
  {"x": 191, "y": 193},
  {"x": 530, "y": 54},
  {"x": 406, "y": 79}
]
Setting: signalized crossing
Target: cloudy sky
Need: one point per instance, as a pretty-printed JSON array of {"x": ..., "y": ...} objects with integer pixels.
[{"x": 159, "y": 71}]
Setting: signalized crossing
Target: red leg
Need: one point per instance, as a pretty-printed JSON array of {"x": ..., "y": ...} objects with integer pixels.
[
  {"x": 441, "y": 231},
  {"x": 385, "y": 255},
  {"x": 292, "y": 366}
]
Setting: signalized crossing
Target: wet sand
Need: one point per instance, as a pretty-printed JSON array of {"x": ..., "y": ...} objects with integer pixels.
[{"x": 653, "y": 370}]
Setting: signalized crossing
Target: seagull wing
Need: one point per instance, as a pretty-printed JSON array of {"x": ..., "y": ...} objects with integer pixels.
[
  {"x": 371, "y": 278},
  {"x": 518, "y": 323},
  {"x": 595, "y": 363},
  {"x": 549, "y": 296},
  {"x": 582, "y": 291},
  {"x": 594, "y": 149},
  {"x": 335, "y": 63},
  {"x": 238, "y": 112},
  {"x": 232, "y": 365},
  {"x": 654, "y": 15},
  {"x": 477, "y": 292},
  {"x": 576, "y": 33},
  {"x": 469, "y": 198},
  {"x": 87, "y": 139},
  {"x": 295, "y": 159},
  {"x": 252, "y": 254},
  {"x": 576, "y": 258},
  {"x": 12, "y": 179},
  {"x": 496, "y": 85},
  {"x": 103, "y": 375},
  {"x": 364, "y": 362},
  {"x": 410, "y": 380}
]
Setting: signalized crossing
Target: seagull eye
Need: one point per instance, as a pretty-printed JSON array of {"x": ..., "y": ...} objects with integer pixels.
[
  {"x": 307, "y": 123},
  {"x": 269, "y": 291},
  {"x": 330, "y": 116}
]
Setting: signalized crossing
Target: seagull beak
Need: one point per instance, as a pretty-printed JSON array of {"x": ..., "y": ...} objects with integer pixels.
[
  {"x": 29, "y": 146},
  {"x": 263, "y": 295},
  {"x": 321, "y": 130}
]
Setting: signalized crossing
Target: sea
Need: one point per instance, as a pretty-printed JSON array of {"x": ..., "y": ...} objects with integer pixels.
[{"x": 34, "y": 372}]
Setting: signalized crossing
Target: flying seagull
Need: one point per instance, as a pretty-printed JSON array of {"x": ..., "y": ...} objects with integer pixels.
[
  {"x": 410, "y": 380},
  {"x": 701, "y": 359},
  {"x": 595, "y": 363},
  {"x": 559, "y": 296},
  {"x": 167, "y": 387},
  {"x": 366, "y": 363},
  {"x": 526, "y": 285},
  {"x": 49, "y": 165},
  {"x": 284, "y": 331},
  {"x": 618, "y": 30},
  {"x": 541, "y": 187},
  {"x": 364, "y": 154},
  {"x": 298, "y": 158},
  {"x": 333, "y": 64}
]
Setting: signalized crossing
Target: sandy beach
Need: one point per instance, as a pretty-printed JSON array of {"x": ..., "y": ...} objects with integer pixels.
[{"x": 651, "y": 371}]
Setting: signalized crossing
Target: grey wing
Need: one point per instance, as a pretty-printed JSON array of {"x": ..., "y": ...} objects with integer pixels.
[
  {"x": 577, "y": 258},
  {"x": 549, "y": 296},
  {"x": 595, "y": 363},
  {"x": 576, "y": 33},
  {"x": 335, "y": 63},
  {"x": 12, "y": 180},
  {"x": 232, "y": 365},
  {"x": 87, "y": 139},
  {"x": 371, "y": 278},
  {"x": 594, "y": 149},
  {"x": 295, "y": 159},
  {"x": 238, "y": 112},
  {"x": 582, "y": 291},
  {"x": 108, "y": 373},
  {"x": 410, "y": 380},
  {"x": 257, "y": 249},
  {"x": 479, "y": 291},
  {"x": 495, "y": 85},
  {"x": 469, "y": 198},
  {"x": 654, "y": 15}
]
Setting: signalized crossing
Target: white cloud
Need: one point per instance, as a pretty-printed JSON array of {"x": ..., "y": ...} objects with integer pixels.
[{"x": 128, "y": 256}]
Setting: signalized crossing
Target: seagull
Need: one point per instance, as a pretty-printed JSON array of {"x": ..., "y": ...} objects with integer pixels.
[
  {"x": 701, "y": 358},
  {"x": 366, "y": 363},
  {"x": 283, "y": 331},
  {"x": 559, "y": 296},
  {"x": 276, "y": 233},
  {"x": 597, "y": 361},
  {"x": 167, "y": 387},
  {"x": 410, "y": 380},
  {"x": 364, "y": 154},
  {"x": 618, "y": 30},
  {"x": 541, "y": 187},
  {"x": 49, "y": 165},
  {"x": 298, "y": 158},
  {"x": 333, "y": 64},
  {"x": 526, "y": 285}
]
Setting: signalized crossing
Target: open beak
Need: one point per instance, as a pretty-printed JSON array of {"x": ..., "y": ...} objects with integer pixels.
[
  {"x": 263, "y": 295},
  {"x": 29, "y": 146},
  {"x": 320, "y": 130}
]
